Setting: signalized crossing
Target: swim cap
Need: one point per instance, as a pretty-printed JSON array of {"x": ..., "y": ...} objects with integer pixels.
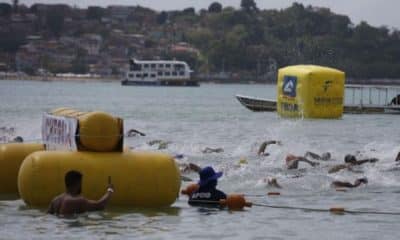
[{"x": 349, "y": 158}]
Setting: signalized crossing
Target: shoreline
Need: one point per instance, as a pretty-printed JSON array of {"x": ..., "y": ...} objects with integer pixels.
[{"x": 382, "y": 82}]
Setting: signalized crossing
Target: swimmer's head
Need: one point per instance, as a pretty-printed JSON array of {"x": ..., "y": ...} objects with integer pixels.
[
  {"x": 362, "y": 180},
  {"x": 350, "y": 158},
  {"x": 18, "y": 139},
  {"x": 326, "y": 156},
  {"x": 73, "y": 182}
]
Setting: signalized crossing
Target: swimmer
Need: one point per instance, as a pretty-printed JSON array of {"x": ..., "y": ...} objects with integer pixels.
[
  {"x": 18, "y": 139},
  {"x": 187, "y": 168},
  {"x": 324, "y": 157},
  {"x": 212, "y": 150},
  {"x": 272, "y": 182},
  {"x": 134, "y": 132},
  {"x": 350, "y": 161},
  {"x": 292, "y": 162},
  {"x": 341, "y": 184},
  {"x": 207, "y": 194},
  {"x": 72, "y": 202},
  {"x": 395, "y": 100},
  {"x": 161, "y": 144},
  {"x": 398, "y": 157},
  {"x": 263, "y": 146}
]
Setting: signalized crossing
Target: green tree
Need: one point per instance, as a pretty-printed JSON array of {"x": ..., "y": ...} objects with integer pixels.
[
  {"x": 248, "y": 5},
  {"x": 5, "y": 10},
  {"x": 215, "y": 7},
  {"x": 189, "y": 11},
  {"x": 95, "y": 13},
  {"x": 10, "y": 41},
  {"x": 162, "y": 17},
  {"x": 79, "y": 65},
  {"x": 55, "y": 21}
]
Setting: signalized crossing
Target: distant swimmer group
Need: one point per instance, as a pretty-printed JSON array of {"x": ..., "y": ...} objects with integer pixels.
[{"x": 205, "y": 191}]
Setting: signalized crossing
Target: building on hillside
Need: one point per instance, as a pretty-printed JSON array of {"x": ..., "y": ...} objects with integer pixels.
[
  {"x": 91, "y": 43},
  {"x": 119, "y": 12}
]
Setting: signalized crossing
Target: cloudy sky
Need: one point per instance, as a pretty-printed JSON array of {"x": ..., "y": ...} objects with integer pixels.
[{"x": 375, "y": 12}]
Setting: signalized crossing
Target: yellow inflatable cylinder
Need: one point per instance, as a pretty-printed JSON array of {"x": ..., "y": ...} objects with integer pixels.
[
  {"x": 11, "y": 157},
  {"x": 97, "y": 131},
  {"x": 140, "y": 179},
  {"x": 310, "y": 91}
]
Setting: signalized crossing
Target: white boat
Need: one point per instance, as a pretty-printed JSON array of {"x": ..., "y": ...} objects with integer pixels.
[{"x": 159, "y": 73}]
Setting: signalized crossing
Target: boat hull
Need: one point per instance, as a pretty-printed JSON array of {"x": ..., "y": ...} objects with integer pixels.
[
  {"x": 180, "y": 83},
  {"x": 266, "y": 105},
  {"x": 257, "y": 104}
]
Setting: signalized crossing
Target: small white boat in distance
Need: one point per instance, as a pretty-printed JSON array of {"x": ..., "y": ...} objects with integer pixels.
[{"x": 159, "y": 73}]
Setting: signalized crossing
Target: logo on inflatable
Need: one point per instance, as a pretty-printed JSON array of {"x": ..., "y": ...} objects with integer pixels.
[
  {"x": 289, "y": 86},
  {"x": 327, "y": 84}
]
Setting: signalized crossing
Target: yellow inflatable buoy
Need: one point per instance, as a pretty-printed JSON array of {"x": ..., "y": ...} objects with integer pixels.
[
  {"x": 310, "y": 91},
  {"x": 140, "y": 179},
  {"x": 97, "y": 131},
  {"x": 11, "y": 157}
]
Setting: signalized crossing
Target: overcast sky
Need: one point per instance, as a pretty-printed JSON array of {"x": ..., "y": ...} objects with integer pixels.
[{"x": 375, "y": 12}]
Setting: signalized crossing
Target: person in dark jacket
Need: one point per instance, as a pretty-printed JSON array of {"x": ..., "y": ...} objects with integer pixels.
[{"x": 207, "y": 194}]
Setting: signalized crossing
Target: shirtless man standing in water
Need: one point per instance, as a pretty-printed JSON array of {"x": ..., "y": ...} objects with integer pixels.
[{"x": 72, "y": 202}]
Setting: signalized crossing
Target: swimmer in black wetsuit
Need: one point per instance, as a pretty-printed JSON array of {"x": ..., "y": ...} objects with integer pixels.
[
  {"x": 292, "y": 162},
  {"x": 263, "y": 146},
  {"x": 395, "y": 100},
  {"x": 358, "y": 182},
  {"x": 324, "y": 157},
  {"x": 207, "y": 194},
  {"x": 212, "y": 150},
  {"x": 18, "y": 139},
  {"x": 134, "y": 132},
  {"x": 351, "y": 161}
]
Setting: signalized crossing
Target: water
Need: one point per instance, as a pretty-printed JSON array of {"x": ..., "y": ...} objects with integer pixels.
[{"x": 210, "y": 116}]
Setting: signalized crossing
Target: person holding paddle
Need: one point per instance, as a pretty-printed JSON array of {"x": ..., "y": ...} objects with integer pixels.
[{"x": 72, "y": 202}]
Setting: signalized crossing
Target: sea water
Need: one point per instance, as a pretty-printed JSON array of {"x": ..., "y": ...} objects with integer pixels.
[{"x": 210, "y": 116}]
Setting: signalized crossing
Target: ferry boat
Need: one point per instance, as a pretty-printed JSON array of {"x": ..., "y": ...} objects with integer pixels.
[{"x": 159, "y": 73}]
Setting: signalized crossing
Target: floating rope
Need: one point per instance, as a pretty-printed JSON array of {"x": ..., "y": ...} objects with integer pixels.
[{"x": 337, "y": 210}]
